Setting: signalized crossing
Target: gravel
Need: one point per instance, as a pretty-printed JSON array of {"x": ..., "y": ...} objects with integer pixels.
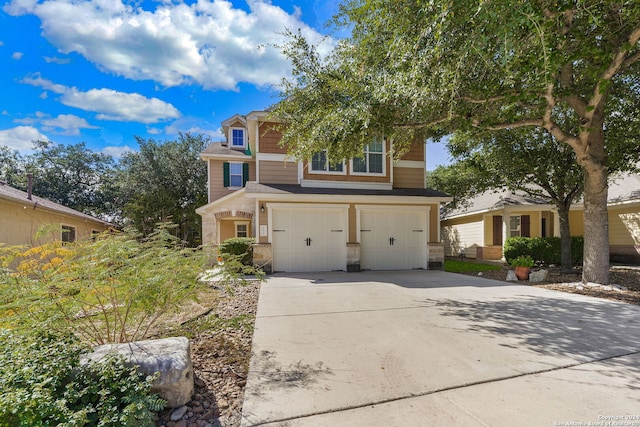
[{"x": 220, "y": 359}]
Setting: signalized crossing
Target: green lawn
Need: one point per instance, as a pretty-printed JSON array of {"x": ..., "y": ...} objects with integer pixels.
[{"x": 454, "y": 266}]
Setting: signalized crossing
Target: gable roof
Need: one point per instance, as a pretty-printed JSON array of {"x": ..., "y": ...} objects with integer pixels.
[{"x": 14, "y": 195}]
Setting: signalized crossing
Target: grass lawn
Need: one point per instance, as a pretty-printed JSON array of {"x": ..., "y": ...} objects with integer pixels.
[{"x": 455, "y": 266}]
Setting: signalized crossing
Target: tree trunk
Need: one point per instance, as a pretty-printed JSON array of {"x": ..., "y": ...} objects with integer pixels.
[
  {"x": 565, "y": 237},
  {"x": 596, "y": 225}
]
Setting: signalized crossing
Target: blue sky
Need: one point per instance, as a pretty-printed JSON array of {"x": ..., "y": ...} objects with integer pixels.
[{"x": 105, "y": 71}]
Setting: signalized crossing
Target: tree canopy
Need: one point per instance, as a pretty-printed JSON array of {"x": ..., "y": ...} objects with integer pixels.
[
  {"x": 165, "y": 182},
  {"x": 415, "y": 69}
]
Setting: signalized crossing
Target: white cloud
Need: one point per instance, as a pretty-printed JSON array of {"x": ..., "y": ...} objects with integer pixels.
[
  {"x": 116, "y": 151},
  {"x": 21, "y": 137},
  {"x": 209, "y": 42},
  {"x": 56, "y": 60},
  {"x": 110, "y": 104},
  {"x": 17, "y": 56},
  {"x": 67, "y": 124}
]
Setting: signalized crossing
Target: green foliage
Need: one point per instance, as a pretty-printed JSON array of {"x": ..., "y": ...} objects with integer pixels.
[
  {"x": 74, "y": 176},
  {"x": 238, "y": 246},
  {"x": 455, "y": 266},
  {"x": 544, "y": 250},
  {"x": 110, "y": 289},
  {"x": 44, "y": 384},
  {"x": 522, "y": 261},
  {"x": 165, "y": 182}
]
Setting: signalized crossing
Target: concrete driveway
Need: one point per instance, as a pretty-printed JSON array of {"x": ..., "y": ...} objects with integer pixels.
[{"x": 420, "y": 348}]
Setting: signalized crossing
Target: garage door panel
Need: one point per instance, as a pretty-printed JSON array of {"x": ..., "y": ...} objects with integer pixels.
[
  {"x": 308, "y": 240},
  {"x": 393, "y": 239}
]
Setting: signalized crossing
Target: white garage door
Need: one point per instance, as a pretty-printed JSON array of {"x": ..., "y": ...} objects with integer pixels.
[
  {"x": 393, "y": 239},
  {"x": 309, "y": 239}
]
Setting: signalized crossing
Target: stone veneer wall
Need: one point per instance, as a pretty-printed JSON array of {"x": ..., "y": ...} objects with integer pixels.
[
  {"x": 436, "y": 256},
  {"x": 263, "y": 257}
]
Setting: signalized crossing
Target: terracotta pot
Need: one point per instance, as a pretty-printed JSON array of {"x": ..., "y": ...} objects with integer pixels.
[{"x": 522, "y": 273}]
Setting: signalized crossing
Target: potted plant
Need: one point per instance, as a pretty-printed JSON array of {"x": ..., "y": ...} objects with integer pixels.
[{"x": 522, "y": 266}]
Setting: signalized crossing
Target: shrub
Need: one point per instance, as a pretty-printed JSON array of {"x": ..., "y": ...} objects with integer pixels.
[
  {"x": 239, "y": 247},
  {"x": 111, "y": 289},
  {"x": 44, "y": 384},
  {"x": 544, "y": 250}
]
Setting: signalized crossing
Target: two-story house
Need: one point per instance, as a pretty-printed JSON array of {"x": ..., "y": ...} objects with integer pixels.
[{"x": 365, "y": 213}]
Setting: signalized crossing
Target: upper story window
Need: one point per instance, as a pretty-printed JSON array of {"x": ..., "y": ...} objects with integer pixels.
[
  {"x": 372, "y": 160},
  {"x": 320, "y": 164},
  {"x": 238, "y": 137},
  {"x": 236, "y": 175}
]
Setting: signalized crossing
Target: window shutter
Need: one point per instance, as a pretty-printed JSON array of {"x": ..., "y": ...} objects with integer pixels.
[
  {"x": 225, "y": 172},
  {"x": 497, "y": 230},
  {"x": 245, "y": 173},
  {"x": 525, "y": 224}
]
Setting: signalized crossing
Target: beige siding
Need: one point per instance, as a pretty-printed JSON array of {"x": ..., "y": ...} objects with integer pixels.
[
  {"x": 216, "y": 179},
  {"x": 276, "y": 172},
  {"x": 19, "y": 223},
  {"x": 408, "y": 178},
  {"x": 624, "y": 226},
  {"x": 576, "y": 223},
  {"x": 467, "y": 236}
]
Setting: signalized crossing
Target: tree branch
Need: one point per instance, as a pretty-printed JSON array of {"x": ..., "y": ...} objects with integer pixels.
[
  {"x": 518, "y": 124},
  {"x": 631, "y": 60},
  {"x": 482, "y": 101},
  {"x": 615, "y": 66}
]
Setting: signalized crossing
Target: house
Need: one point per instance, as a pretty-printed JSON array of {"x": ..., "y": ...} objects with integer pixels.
[
  {"x": 480, "y": 228},
  {"x": 23, "y": 214},
  {"x": 365, "y": 213}
]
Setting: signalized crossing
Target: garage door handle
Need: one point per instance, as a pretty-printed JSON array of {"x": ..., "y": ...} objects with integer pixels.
[
  {"x": 365, "y": 230},
  {"x": 417, "y": 231},
  {"x": 278, "y": 230},
  {"x": 336, "y": 231},
  {"x": 392, "y": 240},
  {"x": 308, "y": 240}
]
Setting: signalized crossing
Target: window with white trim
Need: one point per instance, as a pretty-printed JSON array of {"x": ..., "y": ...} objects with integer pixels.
[
  {"x": 242, "y": 229},
  {"x": 68, "y": 234},
  {"x": 372, "y": 160},
  {"x": 237, "y": 137},
  {"x": 235, "y": 175},
  {"x": 320, "y": 164}
]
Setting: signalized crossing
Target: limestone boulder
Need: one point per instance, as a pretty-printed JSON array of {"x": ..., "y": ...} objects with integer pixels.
[
  {"x": 538, "y": 276},
  {"x": 171, "y": 357}
]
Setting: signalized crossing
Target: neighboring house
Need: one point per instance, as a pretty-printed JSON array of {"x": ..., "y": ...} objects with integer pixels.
[
  {"x": 365, "y": 213},
  {"x": 23, "y": 214},
  {"x": 480, "y": 229}
]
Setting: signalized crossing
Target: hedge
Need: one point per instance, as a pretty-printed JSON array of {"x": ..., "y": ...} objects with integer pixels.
[{"x": 544, "y": 250}]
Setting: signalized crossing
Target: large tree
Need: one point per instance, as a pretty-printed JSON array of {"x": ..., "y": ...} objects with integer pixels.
[
  {"x": 413, "y": 69},
  {"x": 165, "y": 182},
  {"x": 72, "y": 175}
]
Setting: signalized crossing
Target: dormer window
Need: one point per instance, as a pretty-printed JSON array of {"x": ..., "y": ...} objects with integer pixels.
[
  {"x": 238, "y": 138},
  {"x": 372, "y": 160}
]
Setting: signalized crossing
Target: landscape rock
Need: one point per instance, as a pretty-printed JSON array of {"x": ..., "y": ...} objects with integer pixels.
[
  {"x": 171, "y": 357},
  {"x": 538, "y": 276},
  {"x": 511, "y": 276},
  {"x": 178, "y": 413}
]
